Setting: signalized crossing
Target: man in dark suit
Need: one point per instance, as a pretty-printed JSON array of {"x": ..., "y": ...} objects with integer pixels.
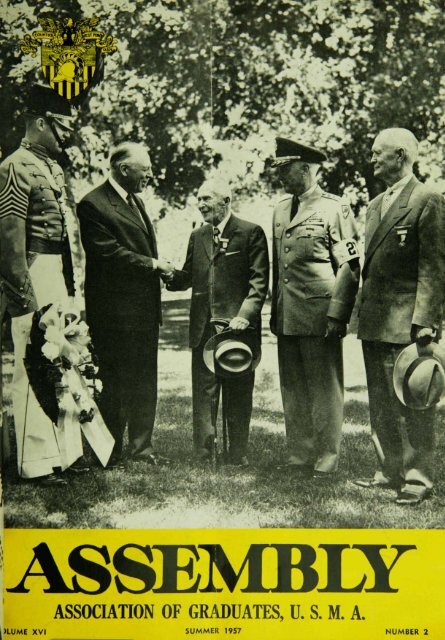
[
  {"x": 122, "y": 297},
  {"x": 227, "y": 266},
  {"x": 402, "y": 300}
]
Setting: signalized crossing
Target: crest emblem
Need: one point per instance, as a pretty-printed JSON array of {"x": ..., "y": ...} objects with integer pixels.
[
  {"x": 72, "y": 52},
  {"x": 345, "y": 210}
]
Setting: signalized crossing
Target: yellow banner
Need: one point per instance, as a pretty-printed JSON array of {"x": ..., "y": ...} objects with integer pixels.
[{"x": 268, "y": 583}]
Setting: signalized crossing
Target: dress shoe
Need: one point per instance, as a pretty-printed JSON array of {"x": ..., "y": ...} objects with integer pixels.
[
  {"x": 52, "y": 480},
  {"x": 79, "y": 467},
  {"x": 323, "y": 475},
  {"x": 408, "y": 498},
  {"x": 156, "y": 459},
  {"x": 203, "y": 456},
  {"x": 114, "y": 463},
  {"x": 374, "y": 483},
  {"x": 205, "y": 452},
  {"x": 296, "y": 469},
  {"x": 239, "y": 462},
  {"x": 209, "y": 447}
]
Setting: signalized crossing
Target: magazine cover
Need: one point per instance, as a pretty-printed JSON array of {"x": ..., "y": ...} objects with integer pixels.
[{"x": 222, "y": 278}]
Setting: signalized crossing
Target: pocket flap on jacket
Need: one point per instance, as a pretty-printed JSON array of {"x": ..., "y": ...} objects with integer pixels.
[
  {"x": 310, "y": 231},
  {"x": 319, "y": 289}
]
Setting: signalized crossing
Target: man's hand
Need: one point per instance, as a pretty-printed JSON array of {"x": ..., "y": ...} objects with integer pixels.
[
  {"x": 422, "y": 335},
  {"x": 335, "y": 329},
  {"x": 167, "y": 277},
  {"x": 238, "y": 324},
  {"x": 165, "y": 266}
]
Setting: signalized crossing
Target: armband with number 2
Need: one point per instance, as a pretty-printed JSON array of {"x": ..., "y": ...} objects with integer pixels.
[{"x": 345, "y": 251}]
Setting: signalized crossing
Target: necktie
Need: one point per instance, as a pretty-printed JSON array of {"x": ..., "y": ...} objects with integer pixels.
[
  {"x": 216, "y": 233},
  {"x": 135, "y": 208},
  {"x": 294, "y": 208},
  {"x": 386, "y": 202},
  {"x": 145, "y": 221}
]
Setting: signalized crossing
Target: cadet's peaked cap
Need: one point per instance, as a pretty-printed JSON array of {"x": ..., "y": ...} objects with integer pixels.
[
  {"x": 44, "y": 101},
  {"x": 231, "y": 355},
  {"x": 288, "y": 151},
  {"x": 419, "y": 376}
]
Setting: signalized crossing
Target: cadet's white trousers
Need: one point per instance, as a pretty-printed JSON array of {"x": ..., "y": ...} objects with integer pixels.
[{"x": 41, "y": 445}]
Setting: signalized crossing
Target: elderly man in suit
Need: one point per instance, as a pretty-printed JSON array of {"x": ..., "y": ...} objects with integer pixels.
[
  {"x": 122, "y": 297},
  {"x": 227, "y": 266},
  {"x": 402, "y": 301},
  {"x": 315, "y": 279}
]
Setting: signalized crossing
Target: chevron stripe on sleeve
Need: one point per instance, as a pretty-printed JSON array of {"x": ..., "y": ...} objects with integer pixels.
[{"x": 13, "y": 200}]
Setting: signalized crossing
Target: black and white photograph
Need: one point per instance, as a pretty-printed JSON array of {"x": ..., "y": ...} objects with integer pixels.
[{"x": 222, "y": 264}]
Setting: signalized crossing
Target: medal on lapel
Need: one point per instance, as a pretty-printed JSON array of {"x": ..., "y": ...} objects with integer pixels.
[
  {"x": 402, "y": 231},
  {"x": 223, "y": 244}
]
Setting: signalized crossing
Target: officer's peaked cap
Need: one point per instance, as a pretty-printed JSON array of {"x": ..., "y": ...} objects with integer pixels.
[
  {"x": 44, "y": 101},
  {"x": 288, "y": 151}
]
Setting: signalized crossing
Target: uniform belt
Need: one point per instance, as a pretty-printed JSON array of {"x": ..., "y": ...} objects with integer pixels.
[{"x": 40, "y": 245}]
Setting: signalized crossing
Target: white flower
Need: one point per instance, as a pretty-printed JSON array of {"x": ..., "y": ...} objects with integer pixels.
[
  {"x": 50, "y": 318},
  {"x": 51, "y": 351},
  {"x": 53, "y": 334},
  {"x": 82, "y": 328},
  {"x": 70, "y": 352},
  {"x": 79, "y": 341}
]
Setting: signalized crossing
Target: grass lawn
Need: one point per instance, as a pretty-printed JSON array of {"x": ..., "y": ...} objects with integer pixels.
[{"x": 189, "y": 494}]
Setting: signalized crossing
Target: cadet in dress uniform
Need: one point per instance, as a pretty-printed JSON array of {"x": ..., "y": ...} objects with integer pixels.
[
  {"x": 315, "y": 280},
  {"x": 35, "y": 267}
]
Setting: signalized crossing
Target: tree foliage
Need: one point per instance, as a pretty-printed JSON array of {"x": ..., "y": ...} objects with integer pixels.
[{"x": 208, "y": 84}]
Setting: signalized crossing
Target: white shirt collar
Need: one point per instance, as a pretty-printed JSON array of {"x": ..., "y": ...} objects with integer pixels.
[
  {"x": 222, "y": 225},
  {"x": 117, "y": 187}
]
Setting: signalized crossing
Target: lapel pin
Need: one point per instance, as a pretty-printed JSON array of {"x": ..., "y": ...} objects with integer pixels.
[
  {"x": 402, "y": 232},
  {"x": 223, "y": 244}
]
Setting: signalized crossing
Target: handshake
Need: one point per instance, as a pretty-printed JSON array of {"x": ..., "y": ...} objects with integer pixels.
[{"x": 166, "y": 268}]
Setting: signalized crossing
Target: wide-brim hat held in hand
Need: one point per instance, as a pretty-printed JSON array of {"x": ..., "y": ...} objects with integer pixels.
[
  {"x": 231, "y": 354},
  {"x": 419, "y": 376}
]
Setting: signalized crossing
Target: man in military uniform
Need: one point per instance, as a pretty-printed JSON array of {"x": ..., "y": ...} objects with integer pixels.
[
  {"x": 315, "y": 280},
  {"x": 402, "y": 302},
  {"x": 35, "y": 266}
]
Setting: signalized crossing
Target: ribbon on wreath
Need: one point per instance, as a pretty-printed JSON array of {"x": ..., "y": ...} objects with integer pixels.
[{"x": 63, "y": 374}]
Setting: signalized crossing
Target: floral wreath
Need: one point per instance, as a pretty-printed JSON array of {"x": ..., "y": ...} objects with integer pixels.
[{"x": 61, "y": 363}]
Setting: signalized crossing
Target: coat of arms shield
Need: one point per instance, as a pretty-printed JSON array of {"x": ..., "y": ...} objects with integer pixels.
[{"x": 71, "y": 52}]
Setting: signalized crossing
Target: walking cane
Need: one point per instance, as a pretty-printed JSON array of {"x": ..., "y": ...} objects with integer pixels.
[
  {"x": 220, "y": 324},
  {"x": 214, "y": 415},
  {"x": 224, "y": 420}
]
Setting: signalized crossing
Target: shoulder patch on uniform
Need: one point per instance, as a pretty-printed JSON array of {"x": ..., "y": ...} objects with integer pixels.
[
  {"x": 13, "y": 200},
  {"x": 345, "y": 210},
  {"x": 330, "y": 196}
]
